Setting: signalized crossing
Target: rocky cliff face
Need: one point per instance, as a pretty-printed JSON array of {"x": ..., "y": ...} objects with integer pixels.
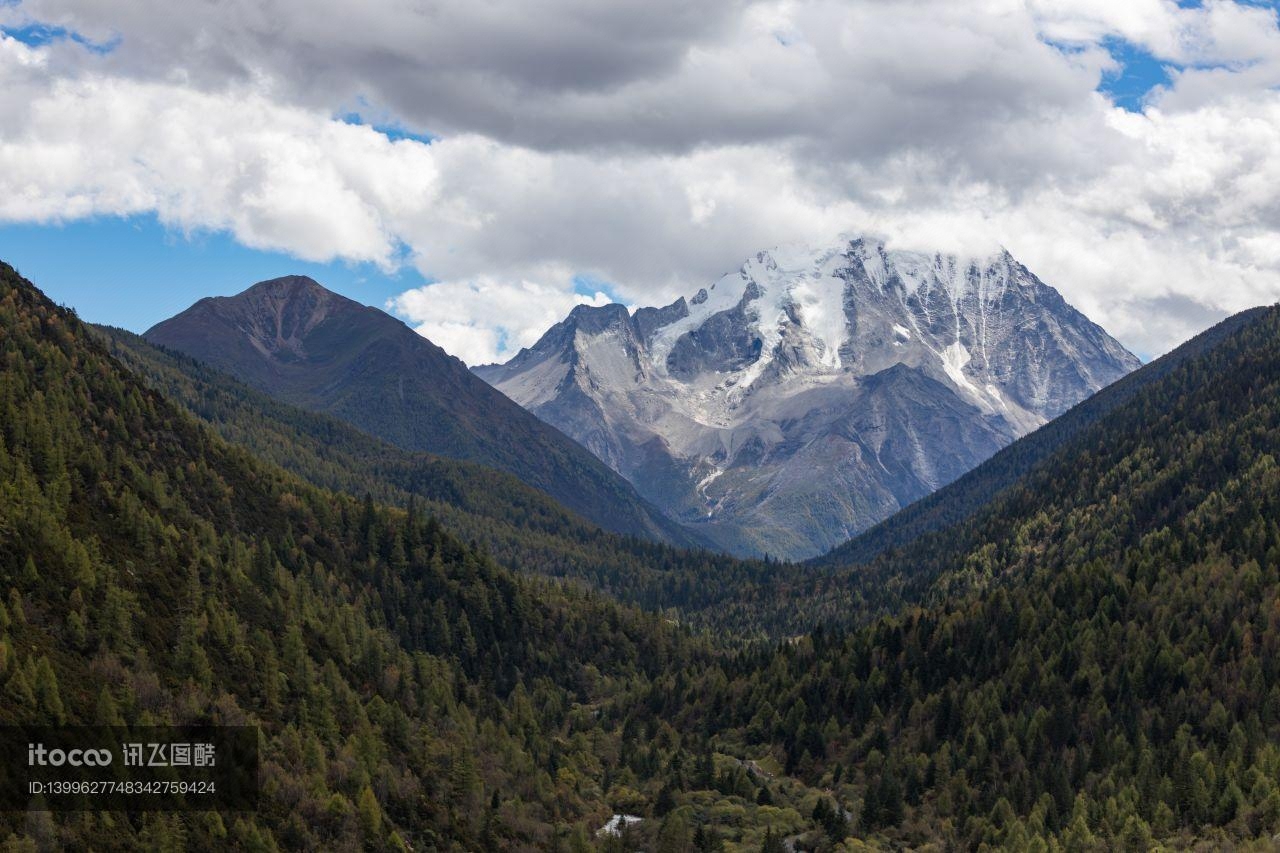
[{"x": 812, "y": 393}]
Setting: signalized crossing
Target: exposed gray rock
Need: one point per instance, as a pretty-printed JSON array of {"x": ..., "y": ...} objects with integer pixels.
[
  {"x": 648, "y": 320},
  {"x": 813, "y": 393},
  {"x": 725, "y": 343}
]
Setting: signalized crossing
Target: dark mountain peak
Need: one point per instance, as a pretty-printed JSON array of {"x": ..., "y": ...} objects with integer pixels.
[
  {"x": 894, "y": 373},
  {"x": 275, "y": 316},
  {"x": 558, "y": 341},
  {"x": 648, "y": 320},
  {"x": 298, "y": 294},
  {"x": 594, "y": 319},
  {"x": 288, "y": 285}
]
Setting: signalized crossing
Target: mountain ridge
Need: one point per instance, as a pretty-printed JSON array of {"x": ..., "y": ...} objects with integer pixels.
[{"x": 304, "y": 344}]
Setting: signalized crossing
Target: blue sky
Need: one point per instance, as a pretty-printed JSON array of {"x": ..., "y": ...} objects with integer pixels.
[
  {"x": 1139, "y": 73},
  {"x": 134, "y": 272}
]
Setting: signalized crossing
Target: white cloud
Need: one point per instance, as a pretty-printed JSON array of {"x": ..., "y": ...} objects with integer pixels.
[
  {"x": 1219, "y": 31},
  {"x": 656, "y": 154},
  {"x": 485, "y": 318},
  {"x": 276, "y": 177}
]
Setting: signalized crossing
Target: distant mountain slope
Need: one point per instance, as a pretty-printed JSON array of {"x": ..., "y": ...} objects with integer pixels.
[
  {"x": 523, "y": 528},
  {"x": 816, "y": 391},
  {"x": 961, "y": 499},
  {"x": 299, "y": 342}
]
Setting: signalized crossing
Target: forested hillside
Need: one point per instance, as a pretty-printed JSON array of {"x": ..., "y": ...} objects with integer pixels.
[{"x": 519, "y": 526}]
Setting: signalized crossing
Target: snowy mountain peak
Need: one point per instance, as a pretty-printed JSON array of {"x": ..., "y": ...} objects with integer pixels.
[
  {"x": 792, "y": 303},
  {"x": 813, "y": 391}
]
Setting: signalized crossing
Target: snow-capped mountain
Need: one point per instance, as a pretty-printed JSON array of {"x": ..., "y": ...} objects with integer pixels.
[{"x": 800, "y": 400}]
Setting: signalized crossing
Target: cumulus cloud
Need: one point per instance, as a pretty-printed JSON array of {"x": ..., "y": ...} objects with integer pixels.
[
  {"x": 514, "y": 313},
  {"x": 653, "y": 148},
  {"x": 276, "y": 177}
]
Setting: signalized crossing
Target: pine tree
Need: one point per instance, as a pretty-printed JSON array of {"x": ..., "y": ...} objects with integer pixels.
[
  {"x": 370, "y": 814},
  {"x": 772, "y": 843},
  {"x": 44, "y": 686},
  {"x": 105, "y": 711}
]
